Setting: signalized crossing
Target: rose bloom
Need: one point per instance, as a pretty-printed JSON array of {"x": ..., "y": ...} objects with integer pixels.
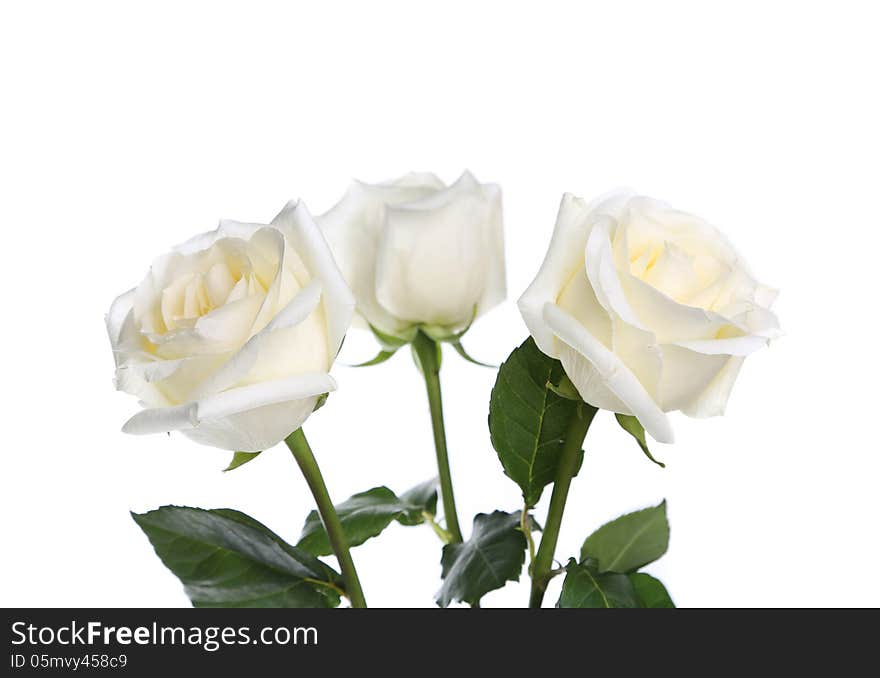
[
  {"x": 230, "y": 337},
  {"x": 419, "y": 253},
  {"x": 649, "y": 309}
]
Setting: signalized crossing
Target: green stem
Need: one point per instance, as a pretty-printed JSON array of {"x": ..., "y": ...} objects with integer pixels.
[
  {"x": 302, "y": 452},
  {"x": 328, "y": 585},
  {"x": 526, "y": 529},
  {"x": 428, "y": 356},
  {"x": 444, "y": 535},
  {"x": 574, "y": 440}
]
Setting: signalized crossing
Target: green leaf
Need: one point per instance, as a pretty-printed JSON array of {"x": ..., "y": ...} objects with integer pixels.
[
  {"x": 584, "y": 587},
  {"x": 650, "y": 591},
  {"x": 629, "y": 542},
  {"x": 533, "y": 524},
  {"x": 444, "y": 333},
  {"x": 381, "y": 357},
  {"x": 240, "y": 459},
  {"x": 419, "y": 500},
  {"x": 528, "y": 421},
  {"x": 367, "y": 514},
  {"x": 390, "y": 342},
  {"x": 492, "y": 556},
  {"x": 227, "y": 559},
  {"x": 464, "y": 354},
  {"x": 565, "y": 389},
  {"x": 363, "y": 515},
  {"x": 321, "y": 401},
  {"x": 634, "y": 427}
]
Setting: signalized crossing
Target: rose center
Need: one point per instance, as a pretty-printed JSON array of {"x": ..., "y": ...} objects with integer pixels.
[
  {"x": 195, "y": 294},
  {"x": 677, "y": 273}
]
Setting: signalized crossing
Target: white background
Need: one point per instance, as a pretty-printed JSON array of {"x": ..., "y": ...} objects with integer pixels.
[{"x": 127, "y": 127}]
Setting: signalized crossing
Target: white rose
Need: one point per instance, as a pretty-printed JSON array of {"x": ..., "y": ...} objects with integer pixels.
[
  {"x": 649, "y": 309},
  {"x": 419, "y": 253},
  {"x": 230, "y": 336}
]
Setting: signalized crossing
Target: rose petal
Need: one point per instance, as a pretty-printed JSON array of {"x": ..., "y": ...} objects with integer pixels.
[
  {"x": 162, "y": 419},
  {"x": 221, "y": 406},
  {"x": 307, "y": 240},
  {"x": 230, "y": 324},
  {"x": 431, "y": 265},
  {"x": 713, "y": 400},
  {"x": 739, "y": 346},
  {"x": 755, "y": 320},
  {"x": 564, "y": 258},
  {"x": 254, "y": 430},
  {"x": 117, "y": 315},
  {"x": 178, "y": 380},
  {"x": 418, "y": 180},
  {"x": 250, "y": 397},
  {"x": 353, "y": 228},
  {"x": 136, "y": 379},
  {"x": 495, "y": 290},
  {"x": 613, "y": 373},
  {"x": 603, "y": 275},
  {"x": 245, "y": 360},
  {"x": 289, "y": 274},
  {"x": 674, "y": 273},
  {"x": 666, "y": 318},
  {"x": 651, "y": 222},
  {"x": 495, "y": 285},
  {"x": 686, "y": 374},
  {"x": 228, "y": 228},
  {"x": 579, "y": 300},
  {"x": 640, "y": 352},
  {"x": 590, "y": 385}
]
